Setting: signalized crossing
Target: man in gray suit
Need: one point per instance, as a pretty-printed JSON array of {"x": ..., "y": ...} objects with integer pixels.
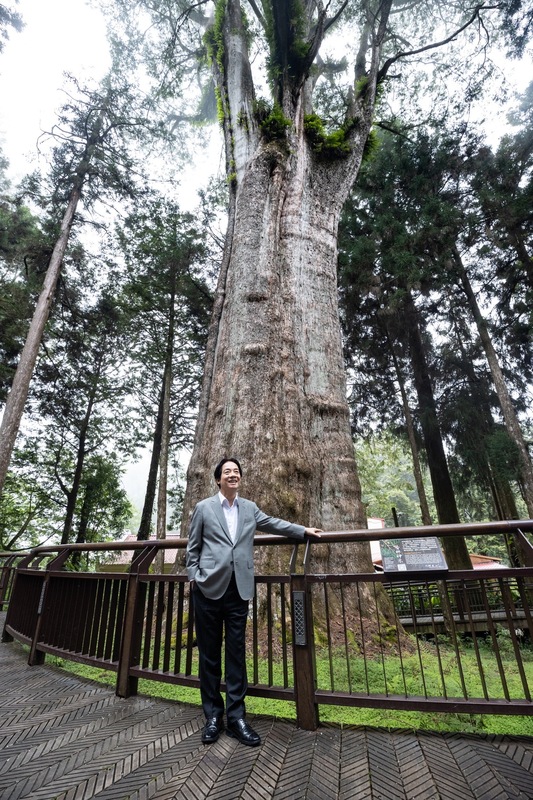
[{"x": 220, "y": 567}]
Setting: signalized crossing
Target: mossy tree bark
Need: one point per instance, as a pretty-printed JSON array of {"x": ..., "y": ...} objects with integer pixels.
[
  {"x": 274, "y": 390},
  {"x": 274, "y": 393}
]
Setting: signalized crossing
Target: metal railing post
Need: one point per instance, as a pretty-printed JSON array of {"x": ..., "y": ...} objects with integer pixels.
[
  {"x": 303, "y": 648},
  {"x": 131, "y": 638}
]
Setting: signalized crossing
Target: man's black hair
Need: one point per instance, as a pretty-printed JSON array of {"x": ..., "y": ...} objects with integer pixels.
[{"x": 218, "y": 468}]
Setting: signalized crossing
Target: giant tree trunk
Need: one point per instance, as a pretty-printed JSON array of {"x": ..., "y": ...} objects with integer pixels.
[
  {"x": 274, "y": 391},
  {"x": 277, "y": 396}
]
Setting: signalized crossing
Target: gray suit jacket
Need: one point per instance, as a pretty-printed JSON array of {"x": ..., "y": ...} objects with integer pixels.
[{"x": 212, "y": 557}]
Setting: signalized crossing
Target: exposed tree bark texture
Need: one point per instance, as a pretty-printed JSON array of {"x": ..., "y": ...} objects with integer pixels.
[
  {"x": 454, "y": 546},
  {"x": 506, "y": 404},
  {"x": 18, "y": 394},
  {"x": 274, "y": 393},
  {"x": 504, "y": 499}
]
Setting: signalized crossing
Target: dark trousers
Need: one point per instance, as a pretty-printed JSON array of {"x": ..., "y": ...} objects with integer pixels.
[{"x": 215, "y": 619}]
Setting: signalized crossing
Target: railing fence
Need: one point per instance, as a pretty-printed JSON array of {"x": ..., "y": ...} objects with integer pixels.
[{"x": 435, "y": 641}]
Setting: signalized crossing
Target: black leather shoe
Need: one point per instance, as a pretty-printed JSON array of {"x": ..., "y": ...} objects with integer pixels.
[
  {"x": 243, "y": 732},
  {"x": 212, "y": 730}
]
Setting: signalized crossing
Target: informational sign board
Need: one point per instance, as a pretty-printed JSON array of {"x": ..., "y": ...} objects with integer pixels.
[{"x": 408, "y": 555}]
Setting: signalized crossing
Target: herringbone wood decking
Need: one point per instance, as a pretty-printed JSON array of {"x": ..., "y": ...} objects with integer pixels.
[{"x": 66, "y": 738}]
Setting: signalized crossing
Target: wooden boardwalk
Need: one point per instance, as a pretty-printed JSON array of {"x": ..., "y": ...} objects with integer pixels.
[{"x": 66, "y": 738}]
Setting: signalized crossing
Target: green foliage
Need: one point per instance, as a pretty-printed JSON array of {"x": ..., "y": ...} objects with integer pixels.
[
  {"x": 30, "y": 507},
  {"x": 272, "y": 122},
  {"x": 220, "y": 106},
  {"x": 286, "y": 24},
  {"x": 489, "y": 545},
  {"x": 517, "y": 25},
  {"x": 413, "y": 229},
  {"x": 209, "y": 106},
  {"x": 361, "y": 86},
  {"x": 299, "y": 47},
  {"x": 104, "y": 508},
  {"x": 242, "y": 120},
  {"x": 503, "y": 454},
  {"x": 167, "y": 301},
  {"x": 96, "y": 144},
  {"x": 328, "y": 146},
  {"x": 386, "y": 473},
  {"x": 214, "y": 37},
  {"x": 372, "y": 146}
]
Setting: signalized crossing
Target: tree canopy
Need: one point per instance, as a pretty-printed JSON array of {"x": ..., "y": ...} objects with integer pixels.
[{"x": 352, "y": 107}]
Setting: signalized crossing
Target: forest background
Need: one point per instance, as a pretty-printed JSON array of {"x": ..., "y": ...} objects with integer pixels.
[{"x": 434, "y": 281}]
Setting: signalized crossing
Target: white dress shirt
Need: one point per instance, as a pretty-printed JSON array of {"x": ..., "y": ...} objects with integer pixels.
[{"x": 231, "y": 513}]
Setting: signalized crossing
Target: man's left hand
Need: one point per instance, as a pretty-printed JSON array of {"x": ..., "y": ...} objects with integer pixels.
[{"x": 314, "y": 533}]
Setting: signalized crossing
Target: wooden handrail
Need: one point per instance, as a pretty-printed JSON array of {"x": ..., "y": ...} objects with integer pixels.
[{"x": 121, "y": 621}]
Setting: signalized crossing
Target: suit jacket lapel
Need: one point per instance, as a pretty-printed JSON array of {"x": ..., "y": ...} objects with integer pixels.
[
  {"x": 240, "y": 524},
  {"x": 219, "y": 514}
]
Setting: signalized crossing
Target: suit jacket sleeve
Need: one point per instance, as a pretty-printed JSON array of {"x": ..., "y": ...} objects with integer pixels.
[
  {"x": 278, "y": 526},
  {"x": 194, "y": 545}
]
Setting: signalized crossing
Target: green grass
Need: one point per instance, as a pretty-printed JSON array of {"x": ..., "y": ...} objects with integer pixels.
[
  {"x": 418, "y": 674},
  {"x": 390, "y": 667}
]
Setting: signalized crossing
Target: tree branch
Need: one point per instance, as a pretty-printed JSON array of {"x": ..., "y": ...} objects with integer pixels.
[
  {"x": 407, "y": 53},
  {"x": 258, "y": 14},
  {"x": 333, "y": 20}
]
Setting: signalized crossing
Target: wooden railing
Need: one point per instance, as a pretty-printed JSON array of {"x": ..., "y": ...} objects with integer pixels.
[
  {"x": 8, "y": 567},
  {"x": 312, "y": 638}
]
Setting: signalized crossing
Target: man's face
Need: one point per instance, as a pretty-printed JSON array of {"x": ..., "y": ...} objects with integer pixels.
[{"x": 230, "y": 478}]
